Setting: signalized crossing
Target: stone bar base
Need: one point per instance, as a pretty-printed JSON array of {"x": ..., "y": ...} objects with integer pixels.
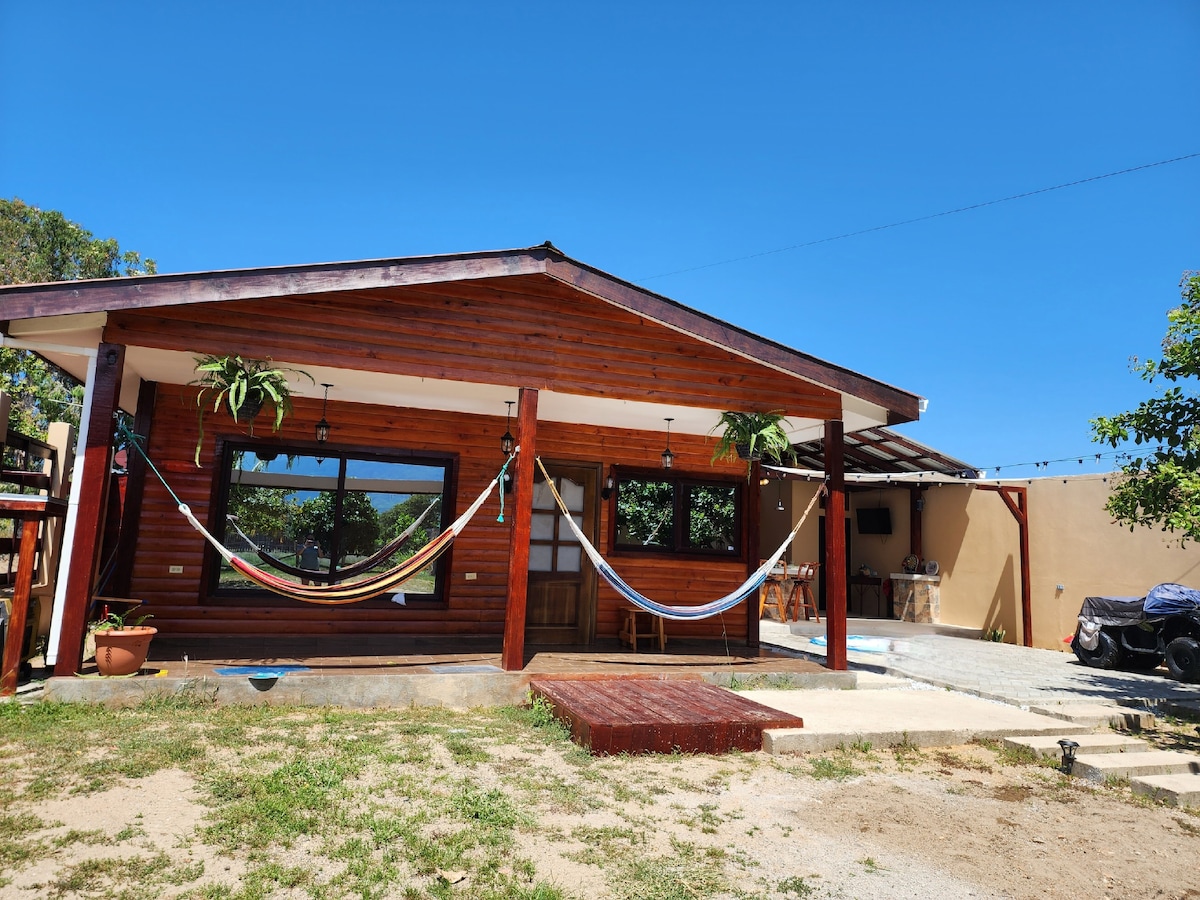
[{"x": 915, "y": 598}]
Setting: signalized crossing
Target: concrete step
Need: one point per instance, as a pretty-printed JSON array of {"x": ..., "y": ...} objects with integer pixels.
[
  {"x": 1098, "y": 715},
  {"x": 1047, "y": 744},
  {"x": 1177, "y": 790},
  {"x": 1135, "y": 764}
]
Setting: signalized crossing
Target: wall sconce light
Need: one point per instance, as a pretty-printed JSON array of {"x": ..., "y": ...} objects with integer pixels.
[
  {"x": 779, "y": 507},
  {"x": 508, "y": 442},
  {"x": 507, "y": 485},
  {"x": 1068, "y": 755},
  {"x": 668, "y": 458},
  {"x": 323, "y": 425},
  {"x": 920, "y": 504},
  {"x": 610, "y": 482}
]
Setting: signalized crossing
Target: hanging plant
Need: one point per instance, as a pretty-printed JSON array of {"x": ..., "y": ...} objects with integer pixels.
[
  {"x": 243, "y": 387},
  {"x": 753, "y": 436}
]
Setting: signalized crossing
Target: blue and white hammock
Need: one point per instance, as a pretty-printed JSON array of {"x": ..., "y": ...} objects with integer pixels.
[{"x": 679, "y": 613}]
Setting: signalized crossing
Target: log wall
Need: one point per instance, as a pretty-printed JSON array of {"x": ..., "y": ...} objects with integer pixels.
[{"x": 474, "y": 607}]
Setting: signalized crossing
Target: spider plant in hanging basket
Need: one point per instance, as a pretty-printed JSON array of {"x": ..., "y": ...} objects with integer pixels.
[
  {"x": 243, "y": 387},
  {"x": 752, "y": 436}
]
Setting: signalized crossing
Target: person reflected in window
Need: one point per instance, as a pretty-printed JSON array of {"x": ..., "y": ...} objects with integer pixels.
[{"x": 310, "y": 557}]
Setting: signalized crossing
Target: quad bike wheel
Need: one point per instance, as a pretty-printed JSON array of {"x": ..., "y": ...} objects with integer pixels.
[
  {"x": 1106, "y": 655},
  {"x": 1183, "y": 659}
]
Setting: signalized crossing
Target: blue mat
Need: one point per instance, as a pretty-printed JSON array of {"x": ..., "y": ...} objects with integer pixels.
[
  {"x": 859, "y": 642},
  {"x": 259, "y": 671}
]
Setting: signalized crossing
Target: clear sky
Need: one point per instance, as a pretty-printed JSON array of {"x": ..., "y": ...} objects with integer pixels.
[{"x": 675, "y": 145}]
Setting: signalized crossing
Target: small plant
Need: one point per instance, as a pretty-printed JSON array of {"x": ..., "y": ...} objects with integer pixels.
[
  {"x": 115, "y": 621},
  {"x": 752, "y": 436},
  {"x": 244, "y": 387},
  {"x": 995, "y": 635}
]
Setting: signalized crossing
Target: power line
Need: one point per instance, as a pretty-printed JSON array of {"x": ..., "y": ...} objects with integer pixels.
[{"x": 949, "y": 212}]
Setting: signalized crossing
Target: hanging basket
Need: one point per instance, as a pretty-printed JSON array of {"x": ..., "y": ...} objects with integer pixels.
[
  {"x": 743, "y": 452},
  {"x": 251, "y": 407}
]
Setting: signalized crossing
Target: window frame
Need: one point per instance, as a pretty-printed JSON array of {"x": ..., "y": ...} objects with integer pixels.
[
  {"x": 211, "y": 591},
  {"x": 680, "y": 482}
]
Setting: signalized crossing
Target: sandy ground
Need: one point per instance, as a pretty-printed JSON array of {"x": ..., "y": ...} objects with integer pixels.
[{"x": 939, "y": 823}]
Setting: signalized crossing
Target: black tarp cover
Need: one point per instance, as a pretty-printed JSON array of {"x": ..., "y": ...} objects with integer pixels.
[
  {"x": 1171, "y": 600},
  {"x": 1118, "y": 611}
]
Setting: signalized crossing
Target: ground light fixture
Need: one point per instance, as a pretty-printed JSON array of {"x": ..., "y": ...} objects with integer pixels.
[
  {"x": 667, "y": 457},
  {"x": 508, "y": 442},
  {"x": 1068, "y": 754}
]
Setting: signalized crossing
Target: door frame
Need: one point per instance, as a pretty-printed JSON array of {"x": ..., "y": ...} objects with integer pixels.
[{"x": 588, "y": 584}]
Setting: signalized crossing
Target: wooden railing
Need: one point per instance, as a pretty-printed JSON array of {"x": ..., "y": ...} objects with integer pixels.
[{"x": 33, "y": 489}]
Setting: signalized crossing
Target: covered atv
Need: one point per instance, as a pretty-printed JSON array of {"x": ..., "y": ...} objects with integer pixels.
[{"x": 1140, "y": 632}]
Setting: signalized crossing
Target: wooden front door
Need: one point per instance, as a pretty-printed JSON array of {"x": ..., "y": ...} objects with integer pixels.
[{"x": 561, "y": 604}]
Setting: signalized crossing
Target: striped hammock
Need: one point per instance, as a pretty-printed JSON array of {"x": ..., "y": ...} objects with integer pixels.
[
  {"x": 342, "y": 572},
  {"x": 680, "y": 613},
  {"x": 353, "y": 591}
]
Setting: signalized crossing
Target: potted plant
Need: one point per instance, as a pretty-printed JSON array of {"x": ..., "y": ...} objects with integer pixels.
[
  {"x": 121, "y": 647},
  {"x": 244, "y": 387},
  {"x": 752, "y": 436}
]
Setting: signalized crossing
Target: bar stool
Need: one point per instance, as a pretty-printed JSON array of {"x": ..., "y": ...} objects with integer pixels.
[
  {"x": 773, "y": 586},
  {"x": 801, "y": 596}
]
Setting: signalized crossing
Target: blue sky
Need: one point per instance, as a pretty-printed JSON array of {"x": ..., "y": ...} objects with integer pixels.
[{"x": 674, "y": 145}]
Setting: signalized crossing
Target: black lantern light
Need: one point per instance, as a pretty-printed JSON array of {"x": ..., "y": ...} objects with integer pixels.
[
  {"x": 323, "y": 425},
  {"x": 779, "y": 507},
  {"x": 508, "y": 442},
  {"x": 610, "y": 482},
  {"x": 1068, "y": 754},
  {"x": 668, "y": 458}
]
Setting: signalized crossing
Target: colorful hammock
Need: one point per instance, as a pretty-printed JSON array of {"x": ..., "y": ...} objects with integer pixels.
[
  {"x": 342, "y": 572},
  {"x": 681, "y": 613},
  {"x": 336, "y": 594}
]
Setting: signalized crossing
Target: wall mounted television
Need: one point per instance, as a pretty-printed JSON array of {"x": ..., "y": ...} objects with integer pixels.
[{"x": 874, "y": 521}]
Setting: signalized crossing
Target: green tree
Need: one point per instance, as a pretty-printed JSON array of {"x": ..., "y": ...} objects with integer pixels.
[
  {"x": 358, "y": 534},
  {"x": 398, "y": 517},
  {"x": 1160, "y": 483},
  {"x": 38, "y": 246}
]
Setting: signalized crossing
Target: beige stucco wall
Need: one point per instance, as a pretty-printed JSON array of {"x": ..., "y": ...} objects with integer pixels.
[{"x": 974, "y": 538}]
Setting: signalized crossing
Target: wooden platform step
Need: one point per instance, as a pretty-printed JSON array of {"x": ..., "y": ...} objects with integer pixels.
[{"x": 646, "y": 715}]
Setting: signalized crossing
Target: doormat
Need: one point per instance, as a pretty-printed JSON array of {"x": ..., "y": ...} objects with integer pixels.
[
  {"x": 260, "y": 671},
  {"x": 451, "y": 669},
  {"x": 859, "y": 642}
]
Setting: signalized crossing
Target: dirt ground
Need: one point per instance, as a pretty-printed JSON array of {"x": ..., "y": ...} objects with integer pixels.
[{"x": 967, "y": 821}]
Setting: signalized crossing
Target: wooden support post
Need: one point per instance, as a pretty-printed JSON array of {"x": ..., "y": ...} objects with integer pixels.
[
  {"x": 835, "y": 547},
  {"x": 1020, "y": 511},
  {"x": 85, "y": 548},
  {"x": 513, "y": 653},
  {"x": 914, "y": 522},
  {"x": 22, "y": 589},
  {"x": 753, "y": 516},
  {"x": 135, "y": 489}
]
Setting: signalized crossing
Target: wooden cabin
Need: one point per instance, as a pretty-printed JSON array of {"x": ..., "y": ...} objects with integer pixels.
[{"x": 420, "y": 366}]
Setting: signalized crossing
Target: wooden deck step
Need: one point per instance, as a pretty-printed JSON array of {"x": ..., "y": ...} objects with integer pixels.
[{"x": 646, "y": 715}]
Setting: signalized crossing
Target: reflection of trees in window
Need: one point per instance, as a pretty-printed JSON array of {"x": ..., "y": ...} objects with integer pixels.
[
  {"x": 353, "y": 505},
  {"x": 677, "y": 515}
]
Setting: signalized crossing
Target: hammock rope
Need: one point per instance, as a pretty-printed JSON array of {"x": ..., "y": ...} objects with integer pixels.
[
  {"x": 391, "y": 548},
  {"x": 335, "y": 594},
  {"x": 666, "y": 611}
]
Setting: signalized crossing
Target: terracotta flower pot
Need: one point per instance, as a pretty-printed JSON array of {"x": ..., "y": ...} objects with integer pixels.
[{"x": 121, "y": 651}]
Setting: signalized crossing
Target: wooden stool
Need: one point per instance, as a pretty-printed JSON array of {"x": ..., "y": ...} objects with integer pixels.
[
  {"x": 653, "y": 626},
  {"x": 801, "y": 596},
  {"x": 772, "y": 586}
]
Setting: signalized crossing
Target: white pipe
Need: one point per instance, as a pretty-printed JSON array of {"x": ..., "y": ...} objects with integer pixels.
[{"x": 64, "y": 564}]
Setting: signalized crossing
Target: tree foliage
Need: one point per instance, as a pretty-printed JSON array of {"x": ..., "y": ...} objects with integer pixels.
[
  {"x": 39, "y": 246},
  {"x": 1160, "y": 483},
  {"x": 359, "y": 533}
]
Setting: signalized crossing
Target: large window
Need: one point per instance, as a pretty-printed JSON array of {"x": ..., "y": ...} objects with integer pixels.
[
  {"x": 351, "y": 505},
  {"x": 666, "y": 513}
]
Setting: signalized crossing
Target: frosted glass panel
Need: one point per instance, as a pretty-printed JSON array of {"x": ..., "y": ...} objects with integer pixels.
[
  {"x": 568, "y": 558},
  {"x": 542, "y": 498},
  {"x": 572, "y": 495},
  {"x": 565, "y": 534},
  {"x": 542, "y": 528},
  {"x": 541, "y": 558}
]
